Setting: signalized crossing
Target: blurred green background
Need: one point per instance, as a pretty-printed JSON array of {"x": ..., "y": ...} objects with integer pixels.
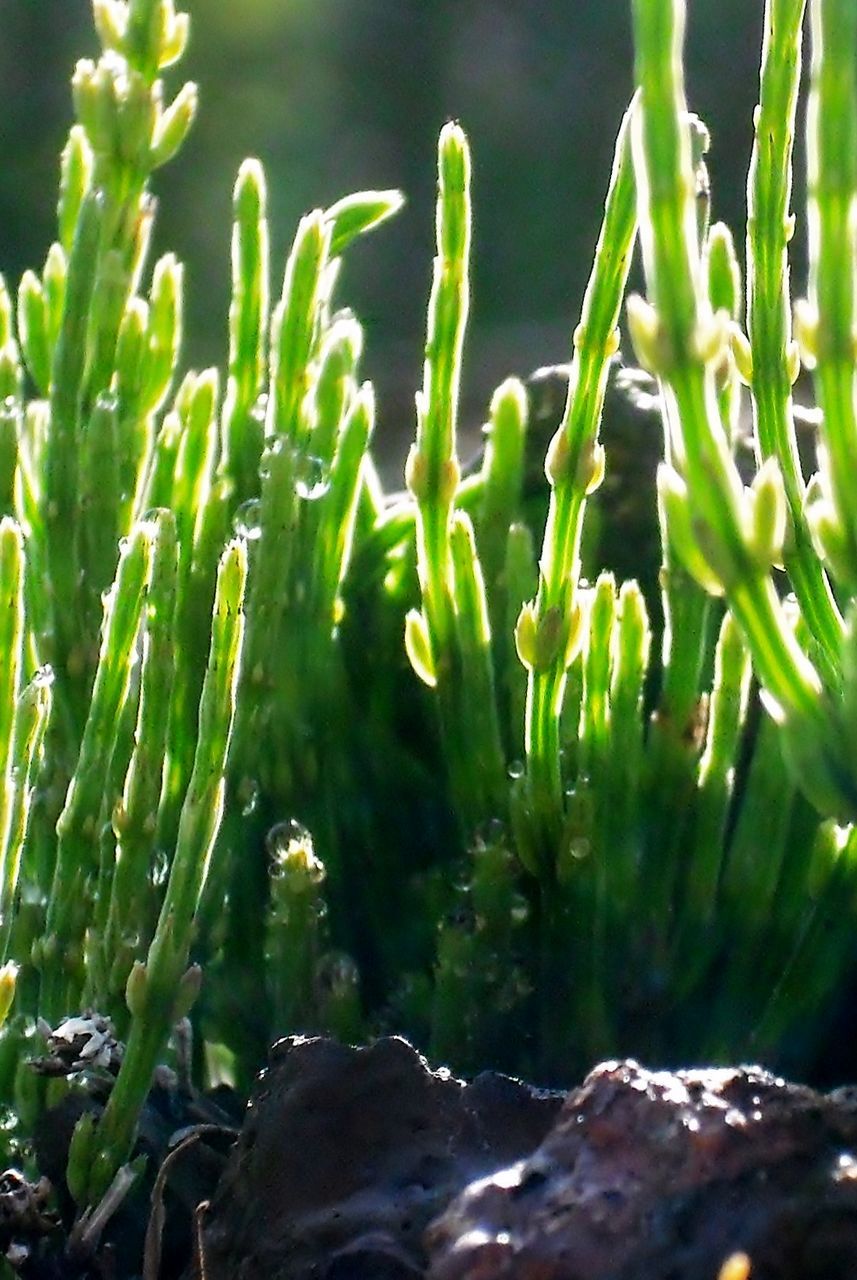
[{"x": 334, "y": 95}]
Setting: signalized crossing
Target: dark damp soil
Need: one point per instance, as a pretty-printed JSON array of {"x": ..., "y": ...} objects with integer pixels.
[{"x": 365, "y": 1164}]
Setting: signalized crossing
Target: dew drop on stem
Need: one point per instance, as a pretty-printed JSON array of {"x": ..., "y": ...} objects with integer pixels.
[
  {"x": 160, "y": 869},
  {"x": 246, "y": 523},
  {"x": 489, "y": 834},
  {"x": 520, "y": 912},
  {"x": 337, "y": 973},
  {"x": 312, "y": 480},
  {"x": 284, "y": 834},
  {"x": 259, "y": 410},
  {"x": 292, "y": 854},
  {"x": 578, "y": 849},
  {"x": 248, "y": 796}
]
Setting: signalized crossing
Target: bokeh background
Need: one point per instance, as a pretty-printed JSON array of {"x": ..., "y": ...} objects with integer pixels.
[{"x": 335, "y": 95}]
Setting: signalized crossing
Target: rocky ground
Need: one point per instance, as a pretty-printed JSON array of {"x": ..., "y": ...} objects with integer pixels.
[{"x": 365, "y": 1164}]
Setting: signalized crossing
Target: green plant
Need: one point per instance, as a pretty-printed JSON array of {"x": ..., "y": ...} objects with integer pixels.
[{"x": 549, "y": 850}]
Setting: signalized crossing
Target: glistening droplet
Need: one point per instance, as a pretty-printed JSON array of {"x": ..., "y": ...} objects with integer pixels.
[
  {"x": 246, "y": 521},
  {"x": 313, "y": 480}
]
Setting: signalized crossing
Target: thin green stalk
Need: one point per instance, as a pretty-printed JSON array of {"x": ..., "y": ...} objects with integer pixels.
[
  {"x": 10, "y": 430},
  {"x": 473, "y": 639},
  {"x": 355, "y": 214},
  {"x": 694, "y": 939},
  {"x": 624, "y": 767},
  {"x": 828, "y": 320},
  {"x": 74, "y": 318},
  {"x": 248, "y": 328},
  {"x": 266, "y": 605},
  {"x": 677, "y": 336},
  {"x": 726, "y": 715},
  {"x": 24, "y": 713},
  {"x": 11, "y": 637},
  {"x": 335, "y": 536},
  {"x": 75, "y": 180},
  {"x": 294, "y": 330},
  {"x": 674, "y": 740},
  {"x": 99, "y": 499},
  {"x": 598, "y": 649},
  {"x": 752, "y": 871},
  {"x": 335, "y": 388},
  {"x": 32, "y": 714},
  {"x": 36, "y": 346},
  {"x": 135, "y": 818},
  {"x": 77, "y": 835},
  {"x": 546, "y": 629},
  {"x": 451, "y": 629},
  {"x": 146, "y": 358},
  {"x": 156, "y": 489},
  {"x": 161, "y": 991},
  {"x": 503, "y": 478},
  {"x": 479, "y": 986},
  {"x": 119, "y": 103},
  {"x": 193, "y": 495},
  {"x": 61, "y": 459},
  {"x": 433, "y": 471},
  {"x": 594, "y": 768},
  {"x": 293, "y": 927},
  {"x": 520, "y": 576},
  {"x": 723, "y": 282},
  {"x": 774, "y": 358}
]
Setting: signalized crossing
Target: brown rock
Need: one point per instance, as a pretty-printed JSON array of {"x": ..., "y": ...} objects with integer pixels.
[
  {"x": 347, "y": 1154},
  {"x": 663, "y": 1176}
]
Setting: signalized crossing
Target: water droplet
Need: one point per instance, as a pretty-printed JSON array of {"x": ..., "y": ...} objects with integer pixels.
[
  {"x": 248, "y": 796},
  {"x": 107, "y": 401},
  {"x": 8, "y": 1120},
  {"x": 516, "y": 770},
  {"x": 246, "y": 521},
  {"x": 313, "y": 480},
  {"x": 489, "y": 834},
  {"x": 290, "y": 848},
  {"x": 337, "y": 973},
  {"x": 520, "y": 912},
  {"x": 579, "y": 848},
  {"x": 260, "y": 408},
  {"x": 159, "y": 869},
  {"x": 274, "y": 446},
  {"x": 283, "y": 834}
]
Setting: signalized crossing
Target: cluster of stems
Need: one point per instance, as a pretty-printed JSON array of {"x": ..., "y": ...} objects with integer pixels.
[{"x": 600, "y": 822}]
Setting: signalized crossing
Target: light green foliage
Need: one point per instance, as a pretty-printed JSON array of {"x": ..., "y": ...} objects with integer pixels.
[
  {"x": 223, "y": 790},
  {"x": 451, "y": 640}
]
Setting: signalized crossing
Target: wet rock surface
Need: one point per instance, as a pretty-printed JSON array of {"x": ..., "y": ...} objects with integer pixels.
[
  {"x": 364, "y": 1164},
  {"x": 665, "y": 1176},
  {"x": 347, "y": 1154}
]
